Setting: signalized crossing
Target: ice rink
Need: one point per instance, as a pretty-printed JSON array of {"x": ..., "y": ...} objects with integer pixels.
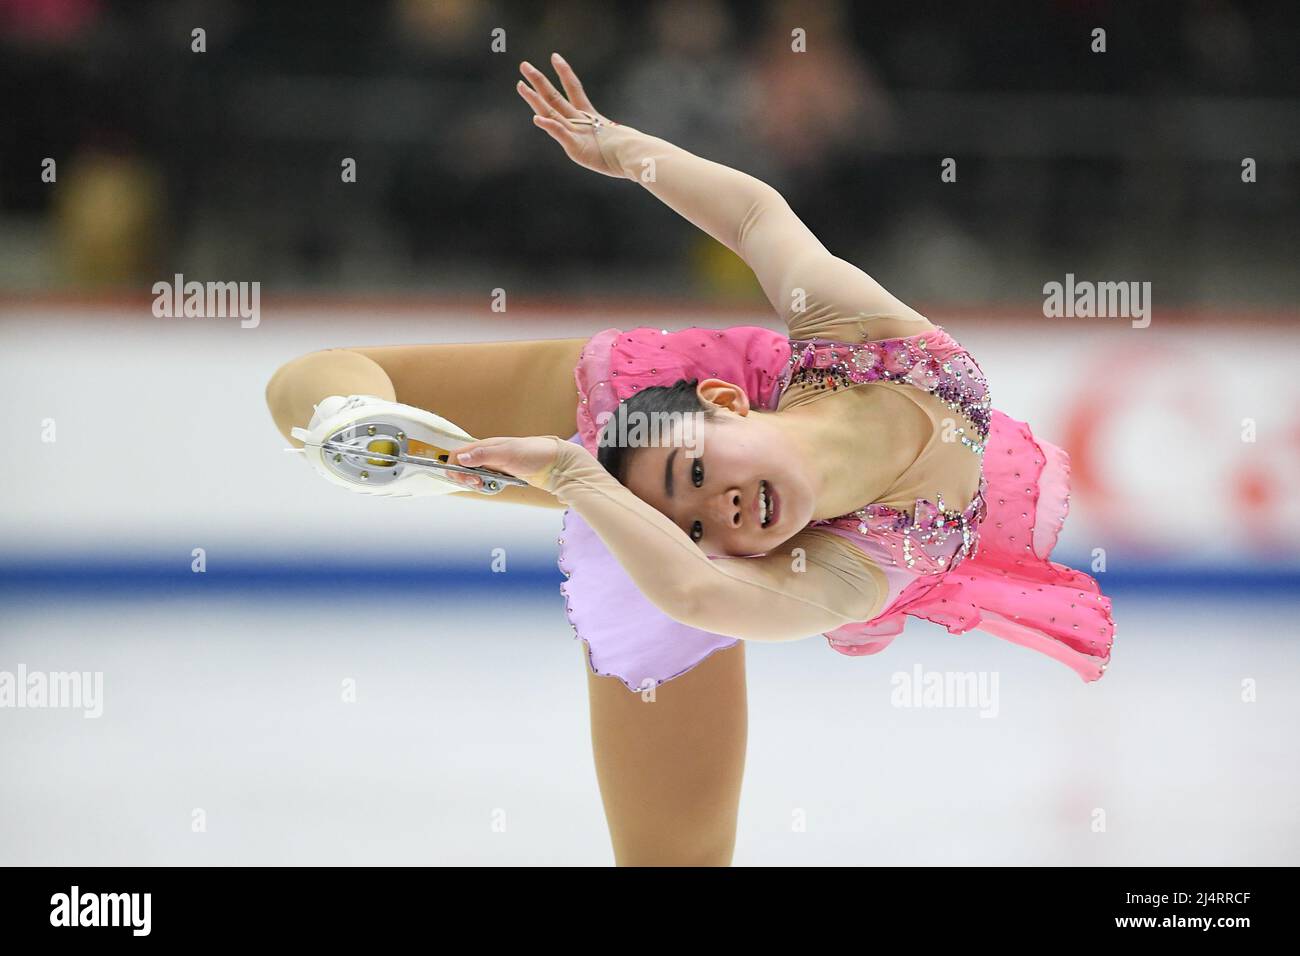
[
  {"x": 225, "y": 736},
  {"x": 212, "y": 655},
  {"x": 468, "y": 741}
]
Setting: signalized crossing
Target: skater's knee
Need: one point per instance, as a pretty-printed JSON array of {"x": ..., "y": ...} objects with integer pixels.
[
  {"x": 286, "y": 394},
  {"x": 290, "y": 377},
  {"x": 296, "y": 386}
]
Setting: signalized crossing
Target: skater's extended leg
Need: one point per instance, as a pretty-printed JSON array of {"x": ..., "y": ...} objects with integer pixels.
[{"x": 487, "y": 388}]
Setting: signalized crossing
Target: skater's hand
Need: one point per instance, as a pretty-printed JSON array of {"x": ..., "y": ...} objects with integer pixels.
[
  {"x": 528, "y": 458},
  {"x": 569, "y": 121}
]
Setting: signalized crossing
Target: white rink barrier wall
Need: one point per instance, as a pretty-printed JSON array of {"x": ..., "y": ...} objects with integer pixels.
[{"x": 134, "y": 440}]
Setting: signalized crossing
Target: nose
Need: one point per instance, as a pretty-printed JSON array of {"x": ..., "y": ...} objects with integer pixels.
[{"x": 730, "y": 509}]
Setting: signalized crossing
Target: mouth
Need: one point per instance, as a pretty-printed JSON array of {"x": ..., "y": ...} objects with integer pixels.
[{"x": 766, "y": 504}]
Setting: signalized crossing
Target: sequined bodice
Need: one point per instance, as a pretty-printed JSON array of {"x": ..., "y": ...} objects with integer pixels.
[{"x": 932, "y": 538}]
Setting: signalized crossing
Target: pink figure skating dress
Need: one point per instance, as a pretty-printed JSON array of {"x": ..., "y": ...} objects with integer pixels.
[
  {"x": 664, "y": 605},
  {"x": 985, "y": 567}
]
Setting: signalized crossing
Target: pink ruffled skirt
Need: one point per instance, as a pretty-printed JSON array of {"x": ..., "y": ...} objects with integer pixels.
[{"x": 1010, "y": 587}]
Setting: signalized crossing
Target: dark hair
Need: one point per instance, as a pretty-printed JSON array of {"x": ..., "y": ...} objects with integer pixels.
[{"x": 679, "y": 398}]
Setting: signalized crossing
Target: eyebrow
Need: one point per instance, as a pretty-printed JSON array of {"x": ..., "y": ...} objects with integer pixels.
[{"x": 668, "y": 473}]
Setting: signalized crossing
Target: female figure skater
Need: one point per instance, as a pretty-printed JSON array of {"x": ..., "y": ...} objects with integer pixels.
[{"x": 846, "y": 475}]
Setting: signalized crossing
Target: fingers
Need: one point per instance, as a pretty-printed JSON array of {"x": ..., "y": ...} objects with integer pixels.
[
  {"x": 558, "y": 105},
  {"x": 572, "y": 85},
  {"x": 545, "y": 117},
  {"x": 494, "y": 453},
  {"x": 478, "y": 449},
  {"x": 475, "y": 454},
  {"x": 536, "y": 101},
  {"x": 469, "y": 481},
  {"x": 559, "y": 132}
]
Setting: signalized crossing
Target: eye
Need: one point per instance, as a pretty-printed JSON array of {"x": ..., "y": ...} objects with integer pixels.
[{"x": 697, "y": 479}]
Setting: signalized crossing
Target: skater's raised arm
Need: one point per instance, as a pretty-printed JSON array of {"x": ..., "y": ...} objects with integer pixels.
[
  {"x": 759, "y": 599},
  {"x": 815, "y": 293}
]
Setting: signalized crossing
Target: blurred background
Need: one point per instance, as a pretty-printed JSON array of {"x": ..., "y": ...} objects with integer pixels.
[
  {"x": 1173, "y": 157},
  {"x": 228, "y": 160}
]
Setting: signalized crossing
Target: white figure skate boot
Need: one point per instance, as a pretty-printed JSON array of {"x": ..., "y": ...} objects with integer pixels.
[{"x": 377, "y": 447}]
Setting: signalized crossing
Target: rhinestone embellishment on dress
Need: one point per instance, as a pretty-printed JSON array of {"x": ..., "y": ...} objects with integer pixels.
[
  {"x": 933, "y": 538},
  {"x": 956, "y": 381}
]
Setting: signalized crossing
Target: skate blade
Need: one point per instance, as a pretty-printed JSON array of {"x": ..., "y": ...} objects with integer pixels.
[{"x": 373, "y": 454}]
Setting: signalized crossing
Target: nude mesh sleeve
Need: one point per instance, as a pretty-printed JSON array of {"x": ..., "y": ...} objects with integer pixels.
[
  {"x": 815, "y": 293},
  {"x": 779, "y": 597}
]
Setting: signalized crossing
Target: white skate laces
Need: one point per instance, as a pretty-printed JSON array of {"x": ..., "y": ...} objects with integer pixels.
[{"x": 368, "y": 444}]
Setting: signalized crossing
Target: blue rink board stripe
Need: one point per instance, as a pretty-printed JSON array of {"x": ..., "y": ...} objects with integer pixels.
[{"x": 105, "y": 575}]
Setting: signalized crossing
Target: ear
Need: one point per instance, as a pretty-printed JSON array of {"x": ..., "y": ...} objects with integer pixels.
[{"x": 724, "y": 394}]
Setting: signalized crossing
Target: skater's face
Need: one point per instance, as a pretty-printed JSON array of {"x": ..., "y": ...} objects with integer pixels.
[{"x": 730, "y": 483}]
